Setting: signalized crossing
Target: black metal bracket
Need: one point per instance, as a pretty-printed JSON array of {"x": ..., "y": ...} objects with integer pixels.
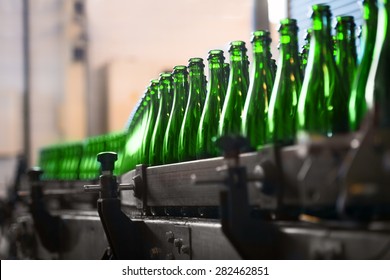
[
  {"x": 253, "y": 239},
  {"x": 51, "y": 230},
  {"x": 122, "y": 233}
]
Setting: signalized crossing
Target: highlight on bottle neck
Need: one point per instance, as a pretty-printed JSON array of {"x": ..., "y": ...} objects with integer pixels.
[
  {"x": 288, "y": 31},
  {"x": 345, "y": 28}
]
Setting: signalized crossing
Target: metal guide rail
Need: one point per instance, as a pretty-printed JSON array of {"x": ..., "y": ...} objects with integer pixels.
[{"x": 324, "y": 199}]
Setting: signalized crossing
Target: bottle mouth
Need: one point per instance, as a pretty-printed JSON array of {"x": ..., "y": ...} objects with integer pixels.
[
  {"x": 195, "y": 61},
  {"x": 215, "y": 53},
  {"x": 261, "y": 35},
  {"x": 237, "y": 45},
  {"x": 288, "y": 23},
  {"x": 153, "y": 82},
  {"x": 179, "y": 68},
  {"x": 165, "y": 75}
]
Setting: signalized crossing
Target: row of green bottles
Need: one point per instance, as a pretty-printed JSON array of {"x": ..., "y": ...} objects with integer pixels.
[{"x": 180, "y": 115}]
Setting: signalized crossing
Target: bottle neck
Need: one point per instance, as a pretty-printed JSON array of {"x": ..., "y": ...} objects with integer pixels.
[
  {"x": 321, "y": 32},
  {"x": 345, "y": 41},
  {"x": 180, "y": 87},
  {"x": 238, "y": 64},
  {"x": 164, "y": 89},
  {"x": 369, "y": 29},
  {"x": 216, "y": 70},
  {"x": 289, "y": 44},
  {"x": 196, "y": 81}
]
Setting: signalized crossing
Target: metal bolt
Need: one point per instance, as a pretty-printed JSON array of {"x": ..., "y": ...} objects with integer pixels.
[
  {"x": 178, "y": 242},
  {"x": 92, "y": 188},
  {"x": 185, "y": 249},
  {"x": 170, "y": 236}
]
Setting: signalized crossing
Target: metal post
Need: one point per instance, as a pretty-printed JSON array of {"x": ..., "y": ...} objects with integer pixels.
[{"x": 26, "y": 82}]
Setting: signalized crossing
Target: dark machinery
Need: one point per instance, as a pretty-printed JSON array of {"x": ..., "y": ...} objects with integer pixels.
[{"x": 324, "y": 199}]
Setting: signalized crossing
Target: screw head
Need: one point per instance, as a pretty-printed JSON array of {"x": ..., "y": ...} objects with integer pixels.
[{"x": 170, "y": 236}]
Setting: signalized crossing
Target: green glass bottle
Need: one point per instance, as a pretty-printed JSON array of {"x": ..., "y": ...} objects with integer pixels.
[
  {"x": 346, "y": 50},
  {"x": 230, "y": 121},
  {"x": 212, "y": 109},
  {"x": 190, "y": 124},
  {"x": 180, "y": 96},
  {"x": 305, "y": 50},
  {"x": 378, "y": 83},
  {"x": 132, "y": 151},
  {"x": 288, "y": 83},
  {"x": 323, "y": 101},
  {"x": 165, "y": 95},
  {"x": 357, "y": 101},
  {"x": 151, "y": 120},
  {"x": 254, "y": 114}
]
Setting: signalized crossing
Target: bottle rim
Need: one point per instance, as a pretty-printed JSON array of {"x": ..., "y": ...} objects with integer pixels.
[
  {"x": 320, "y": 8},
  {"x": 236, "y": 45},
  {"x": 261, "y": 35},
  {"x": 195, "y": 61}
]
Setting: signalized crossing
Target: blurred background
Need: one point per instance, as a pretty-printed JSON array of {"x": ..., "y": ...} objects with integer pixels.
[{"x": 70, "y": 69}]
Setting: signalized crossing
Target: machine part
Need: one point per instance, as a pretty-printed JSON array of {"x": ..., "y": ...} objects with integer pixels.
[
  {"x": 51, "y": 230},
  {"x": 122, "y": 233}
]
